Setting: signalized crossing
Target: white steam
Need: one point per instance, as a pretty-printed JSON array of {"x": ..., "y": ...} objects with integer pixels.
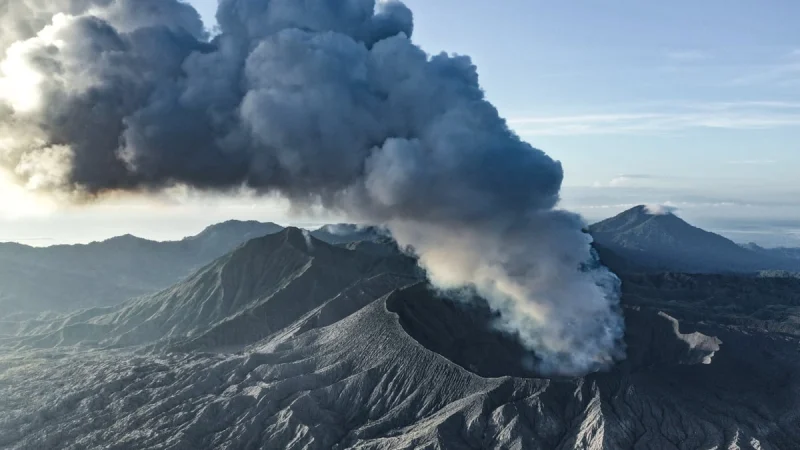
[
  {"x": 324, "y": 102},
  {"x": 660, "y": 209}
]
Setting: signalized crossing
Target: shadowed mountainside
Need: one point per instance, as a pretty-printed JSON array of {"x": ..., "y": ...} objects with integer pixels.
[
  {"x": 69, "y": 277},
  {"x": 289, "y": 342},
  {"x": 258, "y": 289}
]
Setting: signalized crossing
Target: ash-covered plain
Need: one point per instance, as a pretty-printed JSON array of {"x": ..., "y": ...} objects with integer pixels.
[{"x": 290, "y": 342}]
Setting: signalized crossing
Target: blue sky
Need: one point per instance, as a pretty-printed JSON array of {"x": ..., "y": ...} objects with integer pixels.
[
  {"x": 691, "y": 96},
  {"x": 695, "y": 104},
  {"x": 691, "y": 103}
]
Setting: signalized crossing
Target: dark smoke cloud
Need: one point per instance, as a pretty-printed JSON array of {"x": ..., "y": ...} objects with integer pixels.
[{"x": 325, "y": 102}]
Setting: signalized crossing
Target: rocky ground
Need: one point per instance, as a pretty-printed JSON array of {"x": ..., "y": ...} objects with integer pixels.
[{"x": 369, "y": 357}]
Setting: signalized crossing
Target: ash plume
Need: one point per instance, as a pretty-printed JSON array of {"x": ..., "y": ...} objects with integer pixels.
[{"x": 326, "y": 102}]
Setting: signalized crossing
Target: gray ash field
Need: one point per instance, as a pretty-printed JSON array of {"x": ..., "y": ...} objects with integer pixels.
[{"x": 290, "y": 342}]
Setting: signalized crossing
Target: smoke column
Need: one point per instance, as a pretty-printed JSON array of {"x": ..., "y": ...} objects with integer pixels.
[{"x": 326, "y": 102}]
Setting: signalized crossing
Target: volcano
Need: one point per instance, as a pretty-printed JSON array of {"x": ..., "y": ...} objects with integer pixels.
[
  {"x": 291, "y": 342},
  {"x": 660, "y": 242}
]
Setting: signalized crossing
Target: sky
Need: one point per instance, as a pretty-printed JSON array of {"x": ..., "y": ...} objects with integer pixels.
[{"x": 691, "y": 104}]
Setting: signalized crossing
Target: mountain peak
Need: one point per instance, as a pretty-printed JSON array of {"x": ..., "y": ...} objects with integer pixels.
[
  {"x": 645, "y": 212},
  {"x": 344, "y": 233},
  {"x": 246, "y": 229},
  {"x": 658, "y": 210},
  {"x": 636, "y": 217},
  {"x": 300, "y": 239},
  {"x": 638, "y": 210},
  {"x": 123, "y": 238}
]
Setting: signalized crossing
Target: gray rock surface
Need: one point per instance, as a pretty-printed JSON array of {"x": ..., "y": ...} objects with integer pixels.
[{"x": 379, "y": 361}]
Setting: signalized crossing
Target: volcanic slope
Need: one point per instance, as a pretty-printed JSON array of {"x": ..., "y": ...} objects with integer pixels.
[
  {"x": 256, "y": 290},
  {"x": 390, "y": 367}
]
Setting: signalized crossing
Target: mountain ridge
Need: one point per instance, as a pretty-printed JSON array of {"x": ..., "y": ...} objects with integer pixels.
[
  {"x": 65, "y": 277},
  {"x": 291, "y": 342},
  {"x": 388, "y": 363},
  {"x": 258, "y": 288}
]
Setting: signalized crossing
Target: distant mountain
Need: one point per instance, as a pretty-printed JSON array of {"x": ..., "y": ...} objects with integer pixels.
[
  {"x": 792, "y": 253},
  {"x": 219, "y": 239},
  {"x": 64, "y": 277},
  {"x": 662, "y": 241}
]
